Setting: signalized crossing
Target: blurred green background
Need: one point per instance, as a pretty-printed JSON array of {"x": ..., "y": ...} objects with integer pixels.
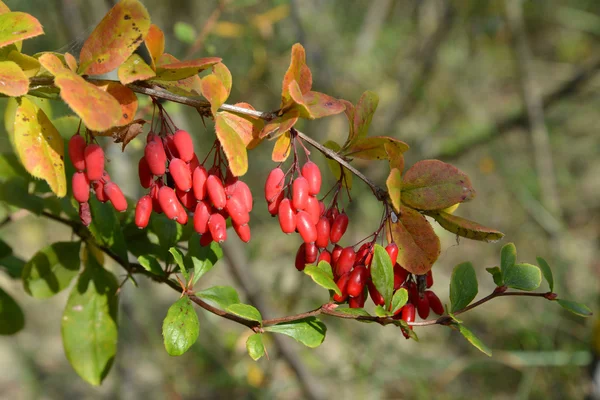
[{"x": 505, "y": 90}]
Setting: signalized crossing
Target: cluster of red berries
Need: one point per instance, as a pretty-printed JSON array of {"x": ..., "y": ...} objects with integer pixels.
[
  {"x": 88, "y": 160},
  {"x": 179, "y": 184}
]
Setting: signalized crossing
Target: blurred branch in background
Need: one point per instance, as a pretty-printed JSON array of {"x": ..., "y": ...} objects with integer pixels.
[
  {"x": 207, "y": 27},
  {"x": 372, "y": 25}
]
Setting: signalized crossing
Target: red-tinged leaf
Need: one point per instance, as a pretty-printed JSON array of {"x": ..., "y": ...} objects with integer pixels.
[
  {"x": 465, "y": 228},
  {"x": 125, "y": 96},
  {"x": 435, "y": 185},
  {"x": 365, "y": 108},
  {"x": 98, "y": 110},
  {"x": 17, "y": 26},
  {"x": 419, "y": 246},
  {"x": 29, "y": 65},
  {"x": 4, "y": 8},
  {"x": 314, "y": 105},
  {"x": 71, "y": 62},
  {"x": 214, "y": 91},
  {"x": 335, "y": 167},
  {"x": 232, "y": 144},
  {"x": 184, "y": 69},
  {"x": 280, "y": 125},
  {"x": 43, "y": 71},
  {"x": 134, "y": 69},
  {"x": 373, "y": 147},
  {"x": 115, "y": 38},
  {"x": 13, "y": 81},
  {"x": 247, "y": 127},
  {"x": 191, "y": 86},
  {"x": 394, "y": 156},
  {"x": 155, "y": 43},
  {"x": 282, "y": 148},
  {"x": 394, "y": 187},
  {"x": 350, "y": 111},
  {"x": 224, "y": 75},
  {"x": 298, "y": 71},
  {"x": 39, "y": 146}
]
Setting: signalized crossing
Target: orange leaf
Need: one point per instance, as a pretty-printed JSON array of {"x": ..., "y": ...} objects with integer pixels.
[
  {"x": 125, "y": 96},
  {"x": 394, "y": 187},
  {"x": 17, "y": 26},
  {"x": 465, "y": 228},
  {"x": 246, "y": 126},
  {"x": 13, "y": 81},
  {"x": 418, "y": 245},
  {"x": 321, "y": 105},
  {"x": 155, "y": 43},
  {"x": 134, "y": 69},
  {"x": 115, "y": 38},
  {"x": 280, "y": 125},
  {"x": 71, "y": 62},
  {"x": 28, "y": 64},
  {"x": 394, "y": 156},
  {"x": 39, "y": 146},
  {"x": 434, "y": 185},
  {"x": 282, "y": 148},
  {"x": 214, "y": 91},
  {"x": 3, "y": 8},
  {"x": 98, "y": 109},
  {"x": 298, "y": 71},
  {"x": 191, "y": 86},
  {"x": 373, "y": 147},
  {"x": 224, "y": 75},
  {"x": 184, "y": 69},
  {"x": 232, "y": 144}
]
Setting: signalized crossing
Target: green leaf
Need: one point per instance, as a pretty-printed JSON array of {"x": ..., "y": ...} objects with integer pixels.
[
  {"x": 474, "y": 340},
  {"x": 13, "y": 266},
  {"x": 508, "y": 257},
  {"x": 178, "y": 257},
  {"x": 255, "y": 346},
  {"x": 168, "y": 231},
  {"x": 465, "y": 228},
  {"x": 394, "y": 186},
  {"x": 5, "y": 249},
  {"x": 106, "y": 228},
  {"x": 382, "y": 312},
  {"x": 382, "y": 273},
  {"x": 51, "y": 269},
  {"x": 463, "y": 286},
  {"x": 321, "y": 277},
  {"x": 17, "y": 26},
  {"x": 201, "y": 259},
  {"x": 407, "y": 329},
  {"x": 363, "y": 114},
  {"x": 221, "y": 296},
  {"x": 89, "y": 323},
  {"x": 184, "y": 32},
  {"x": 399, "y": 300},
  {"x": 245, "y": 311},
  {"x": 496, "y": 275},
  {"x": 180, "y": 327},
  {"x": 576, "y": 308},
  {"x": 546, "y": 271},
  {"x": 15, "y": 192},
  {"x": 12, "y": 319},
  {"x": 308, "y": 331},
  {"x": 353, "y": 311},
  {"x": 523, "y": 276},
  {"x": 150, "y": 264}
]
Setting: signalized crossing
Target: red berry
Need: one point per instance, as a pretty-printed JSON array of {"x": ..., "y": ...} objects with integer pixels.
[
  {"x": 201, "y": 217},
  {"x": 377, "y": 298},
  {"x": 400, "y": 272},
  {"x": 287, "y": 217},
  {"x": 243, "y": 231},
  {"x": 143, "y": 210},
  {"x": 76, "y": 152},
  {"x": 115, "y": 195},
  {"x": 182, "y": 215},
  {"x": 274, "y": 184},
  {"x": 305, "y": 227},
  {"x": 168, "y": 202},
  {"x": 345, "y": 261},
  {"x": 206, "y": 239},
  {"x": 216, "y": 192},
  {"x": 144, "y": 173},
  {"x": 311, "y": 252},
  {"x": 199, "y": 182},
  {"x": 408, "y": 313},
  {"x": 434, "y": 302},
  {"x": 323, "y": 232},
  {"x": 397, "y": 282},
  {"x": 332, "y": 214},
  {"x": 324, "y": 256},
  {"x": 98, "y": 187},
  {"x": 242, "y": 190},
  {"x": 85, "y": 214},
  {"x": 429, "y": 279},
  {"x": 180, "y": 174},
  {"x": 154, "y": 194},
  {"x": 184, "y": 144},
  {"x": 94, "y": 161},
  {"x": 392, "y": 250},
  {"x": 313, "y": 209},
  {"x": 335, "y": 254},
  {"x": 357, "y": 302},
  {"x": 311, "y": 172},
  {"x": 338, "y": 228},
  {"x": 237, "y": 210},
  {"x": 342, "y": 283},
  {"x": 358, "y": 280},
  {"x": 300, "y": 262},
  {"x": 171, "y": 150},
  {"x": 274, "y": 205},
  {"x": 413, "y": 294},
  {"x": 192, "y": 165},
  {"x": 217, "y": 227},
  {"x": 321, "y": 208},
  {"x": 156, "y": 157},
  {"x": 363, "y": 251},
  {"x": 300, "y": 193},
  {"x": 423, "y": 307},
  {"x": 187, "y": 199},
  {"x": 81, "y": 187}
]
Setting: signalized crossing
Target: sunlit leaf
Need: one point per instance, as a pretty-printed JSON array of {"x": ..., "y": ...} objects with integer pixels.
[
  {"x": 314, "y": 105},
  {"x": 247, "y": 127},
  {"x": 180, "y": 327},
  {"x": 29, "y": 65},
  {"x": 463, "y": 286},
  {"x": 465, "y": 228},
  {"x": 496, "y": 275},
  {"x": 4, "y": 8},
  {"x": 280, "y": 125},
  {"x": 374, "y": 147},
  {"x": 71, "y": 62},
  {"x": 201, "y": 259},
  {"x": 394, "y": 187},
  {"x": 12, "y": 319},
  {"x": 399, "y": 300},
  {"x": 155, "y": 43},
  {"x": 523, "y": 276},
  {"x": 191, "y": 86},
  {"x": 184, "y": 69},
  {"x": 214, "y": 91},
  {"x": 309, "y": 331},
  {"x": 382, "y": 273},
  {"x": 297, "y": 71},
  {"x": 394, "y": 156},
  {"x": 134, "y": 69},
  {"x": 150, "y": 264},
  {"x": 474, "y": 340},
  {"x": 125, "y": 96},
  {"x": 232, "y": 144},
  {"x": 321, "y": 278},
  {"x": 17, "y": 26},
  {"x": 13, "y": 81},
  {"x": 255, "y": 346},
  {"x": 220, "y": 296},
  {"x": 178, "y": 258},
  {"x": 282, "y": 148},
  {"x": 245, "y": 311}
]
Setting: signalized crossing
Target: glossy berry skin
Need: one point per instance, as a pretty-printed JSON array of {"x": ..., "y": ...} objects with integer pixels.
[
  {"x": 313, "y": 209},
  {"x": 98, "y": 187},
  {"x": 94, "y": 161},
  {"x": 429, "y": 279},
  {"x": 170, "y": 148},
  {"x": 143, "y": 210},
  {"x": 180, "y": 174},
  {"x": 363, "y": 251},
  {"x": 300, "y": 262},
  {"x": 201, "y": 217},
  {"x": 311, "y": 252},
  {"x": 307, "y": 230},
  {"x": 154, "y": 195},
  {"x": 115, "y": 195},
  {"x": 338, "y": 228},
  {"x": 144, "y": 173},
  {"x": 76, "y": 152},
  {"x": 400, "y": 272},
  {"x": 156, "y": 157},
  {"x": 242, "y": 191},
  {"x": 408, "y": 313},
  {"x": 434, "y": 302},
  {"x": 81, "y": 187},
  {"x": 335, "y": 254},
  {"x": 392, "y": 250},
  {"x": 323, "y": 230},
  {"x": 332, "y": 214},
  {"x": 274, "y": 205},
  {"x": 237, "y": 210},
  {"x": 168, "y": 202},
  {"x": 413, "y": 294},
  {"x": 243, "y": 231},
  {"x": 274, "y": 184},
  {"x": 199, "y": 178},
  {"x": 217, "y": 227},
  {"x": 187, "y": 199},
  {"x": 286, "y": 216},
  {"x": 184, "y": 145},
  {"x": 423, "y": 307},
  {"x": 377, "y": 298},
  {"x": 216, "y": 192},
  {"x": 345, "y": 262},
  {"x": 311, "y": 172},
  {"x": 206, "y": 239},
  {"x": 300, "y": 193},
  {"x": 195, "y": 163},
  {"x": 358, "y": 280},
  {"x": 357, "y": 302},
  {"x": 397, "y": 282},
  {"x": 324, "y": 256},
  {"x": 342, "y": 283}
]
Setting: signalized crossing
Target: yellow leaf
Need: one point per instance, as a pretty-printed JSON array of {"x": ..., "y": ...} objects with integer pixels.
[
  {"x": 282, "y": 148},
  {"x": 233, "y": 145},
  {"x": 228, "y": 29},
  {"x": 28, "y": 64},
  {"x": 13, "y": 81},
  {"x": 134, "y": 69}
]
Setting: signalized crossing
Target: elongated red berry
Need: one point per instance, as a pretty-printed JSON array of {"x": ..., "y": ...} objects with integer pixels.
[
  {"x": 397, "y": 282},
  {"x": 156, "y": 157},
  {"x": 217, "y": 227},
  {"x": 377, "y": 298},
  {"x": 199, "y": 182},
  {"x": 81, "y": 187},
  {"x": 216, "y": 193},
  {"x": 143, "y": 210},
  {"x": 115, "y": 195},
  {"x": 392, "y": 250},
  {"x": 287, "y": 217},
  {"x": 332, "y": 214},
  {"x": 201, "y": 217},
  {"x": 170, "y": 148},
  {"x": 274, "y": 205},
  {"x": 400, "y": 272},
  {"x": 321, "y": 208},
  {"x": 187, "y": 199},
  {"x": 182, "y": 215},
  {"x": 300, "y": 261},
  {"x": 312, "y": 252},
  {"x": 313, "y": 209},
  {"x": 429, "y": 279},
  {"x": 413, "y": 294},
  {"x": 242, "y": 190},
  {"x": 180, "y": 174},
  {"x": 98, "y": 187},
  {"x": 345, "y": 261},
  {"x": 184, "y": 144},
  {"x": 195, "y": 163},
  {"x": 243, "y": 231},
  {"x": 357, "y": 302},
  {"x": 154, "y": 195},
  {"x": 434, "y": 302},
  {"x": 323, "y": 230},
  {"x": 144, "y": 173},
  {"x": 206, "y": 239},
  {"x": 358, "y": 280},
  {"x": 76, "y": 152},
  {"x": 300, "y": 193},
  {"x": 363, "y": 251},
  {"x": 274, "y": 184},
  {"x": 324, "y": 256},
  {"x": 335, "y": 254},
  {"x": 305, "y": 227},
  {"x": 408, "y": 313},
  {"x": 311, "y": 172},
  {"x": 237, "y": 210},
  {"x": 342, "y": 284},
  {"x": 94, "y": 161},
  {"x": 423, "y": 307},
  {"x": 85, "y": 214},
  {"x": 168, "y": 202},
  {"x": 338, "y": 228}
]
